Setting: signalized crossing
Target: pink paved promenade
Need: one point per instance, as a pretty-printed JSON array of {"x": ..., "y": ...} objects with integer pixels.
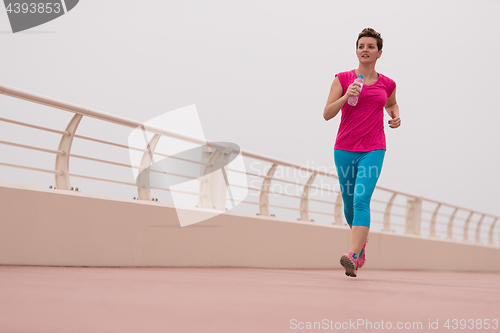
[{"x": 239, "y": 300}]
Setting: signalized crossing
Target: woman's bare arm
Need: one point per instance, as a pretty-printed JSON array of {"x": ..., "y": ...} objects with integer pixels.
[
  {"x": 335, "y": 100},
  {"x": 392, "y": 109}
]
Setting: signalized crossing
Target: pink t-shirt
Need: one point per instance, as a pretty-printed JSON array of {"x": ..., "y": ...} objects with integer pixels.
[{"x": 362, "y": 126}]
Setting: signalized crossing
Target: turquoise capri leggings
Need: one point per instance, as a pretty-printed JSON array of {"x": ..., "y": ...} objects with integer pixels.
[{"x": 358, "y": 174}]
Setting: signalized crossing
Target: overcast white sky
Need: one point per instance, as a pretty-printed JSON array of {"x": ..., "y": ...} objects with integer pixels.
[{"x": 260, "y": 72}]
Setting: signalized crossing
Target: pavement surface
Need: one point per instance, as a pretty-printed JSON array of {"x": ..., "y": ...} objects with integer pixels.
[{"x": 240, "y": 300}]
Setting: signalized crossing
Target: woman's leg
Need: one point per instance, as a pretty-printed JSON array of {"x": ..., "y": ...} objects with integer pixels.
[
  {"x": 345, "y": 163},
  {"x": 358, "y": 238},
  {"x": 369, "y": 168}
]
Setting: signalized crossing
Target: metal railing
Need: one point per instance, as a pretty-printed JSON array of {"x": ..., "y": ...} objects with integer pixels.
[{"x": 458, "y": 220}]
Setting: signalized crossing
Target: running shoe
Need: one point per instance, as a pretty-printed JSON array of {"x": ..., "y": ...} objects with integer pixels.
[
  {"x": 350, "y": 263},
  {"x": 362, "y": 255}
]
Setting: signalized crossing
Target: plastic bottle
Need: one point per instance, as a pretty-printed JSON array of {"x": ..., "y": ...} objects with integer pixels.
[{"x": 353, "y": 100}]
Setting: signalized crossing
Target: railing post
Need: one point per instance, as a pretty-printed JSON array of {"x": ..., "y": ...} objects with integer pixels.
[
  {"x": 478, "y": 230},
  {"x": 413, "y": 215},
  {"x": 304, "y": 201},
  {"x": 204, "y": 200},
  {"x": 62, "y": 161},
  {"x": 450, "y": 224},
  {"x": 264, "y": 191},
  {"x": 466, "y": 227},
  {"x": 387, "y": 214},
  {"x": 491, "y": 231},
  {"x": 213, "y": 187},
  {"x": 433, "y": 221},
  {"x": 144, "y": 192}
]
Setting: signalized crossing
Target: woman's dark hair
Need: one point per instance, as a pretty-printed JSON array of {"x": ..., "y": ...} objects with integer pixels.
[{"x": 369, "y": 32}]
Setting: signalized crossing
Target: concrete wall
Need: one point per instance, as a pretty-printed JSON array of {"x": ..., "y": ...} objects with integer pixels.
[{"x": 65, "y": 228}]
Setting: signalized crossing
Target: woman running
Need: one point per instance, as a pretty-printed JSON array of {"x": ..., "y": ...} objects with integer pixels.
[{"x": 360, "y": 145}]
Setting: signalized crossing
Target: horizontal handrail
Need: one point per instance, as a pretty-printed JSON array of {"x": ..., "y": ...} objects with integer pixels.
[
  {"x": 18, "y": 166},
  {"x": 135, "y": 148},
  {"x": 34, "y": 126},
  {"x": 284, "y": 207},
  {"x": 176, "y": 191},
  {"x": 103, "y": 161},
  {"x": 109, "y": 143},
  {"x": 45, "y": 150},
  {"x": 127, "y": 165},
  {"x": 322, "y": 213},
  {"x": 39, "y": 99},
  {"x": 102, "y": 179},
  {"x": 322, "y": 201}
]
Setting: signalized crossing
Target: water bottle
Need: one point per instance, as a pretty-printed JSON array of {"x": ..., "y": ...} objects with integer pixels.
[{"x": 353, "y": 100}]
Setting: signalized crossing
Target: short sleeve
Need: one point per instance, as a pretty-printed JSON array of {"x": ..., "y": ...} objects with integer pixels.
[
  {"x": 343, "y": 80},
  {"x": 390, "y": 86}
]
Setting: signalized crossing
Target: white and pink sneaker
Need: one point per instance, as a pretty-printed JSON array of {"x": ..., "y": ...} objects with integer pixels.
[{"x": 350, "y": 263}]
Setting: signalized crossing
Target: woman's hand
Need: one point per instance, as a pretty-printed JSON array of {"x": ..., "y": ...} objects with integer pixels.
[
  {"x": 395, "y": 122},
  {"x": 353, "y": 90}
]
